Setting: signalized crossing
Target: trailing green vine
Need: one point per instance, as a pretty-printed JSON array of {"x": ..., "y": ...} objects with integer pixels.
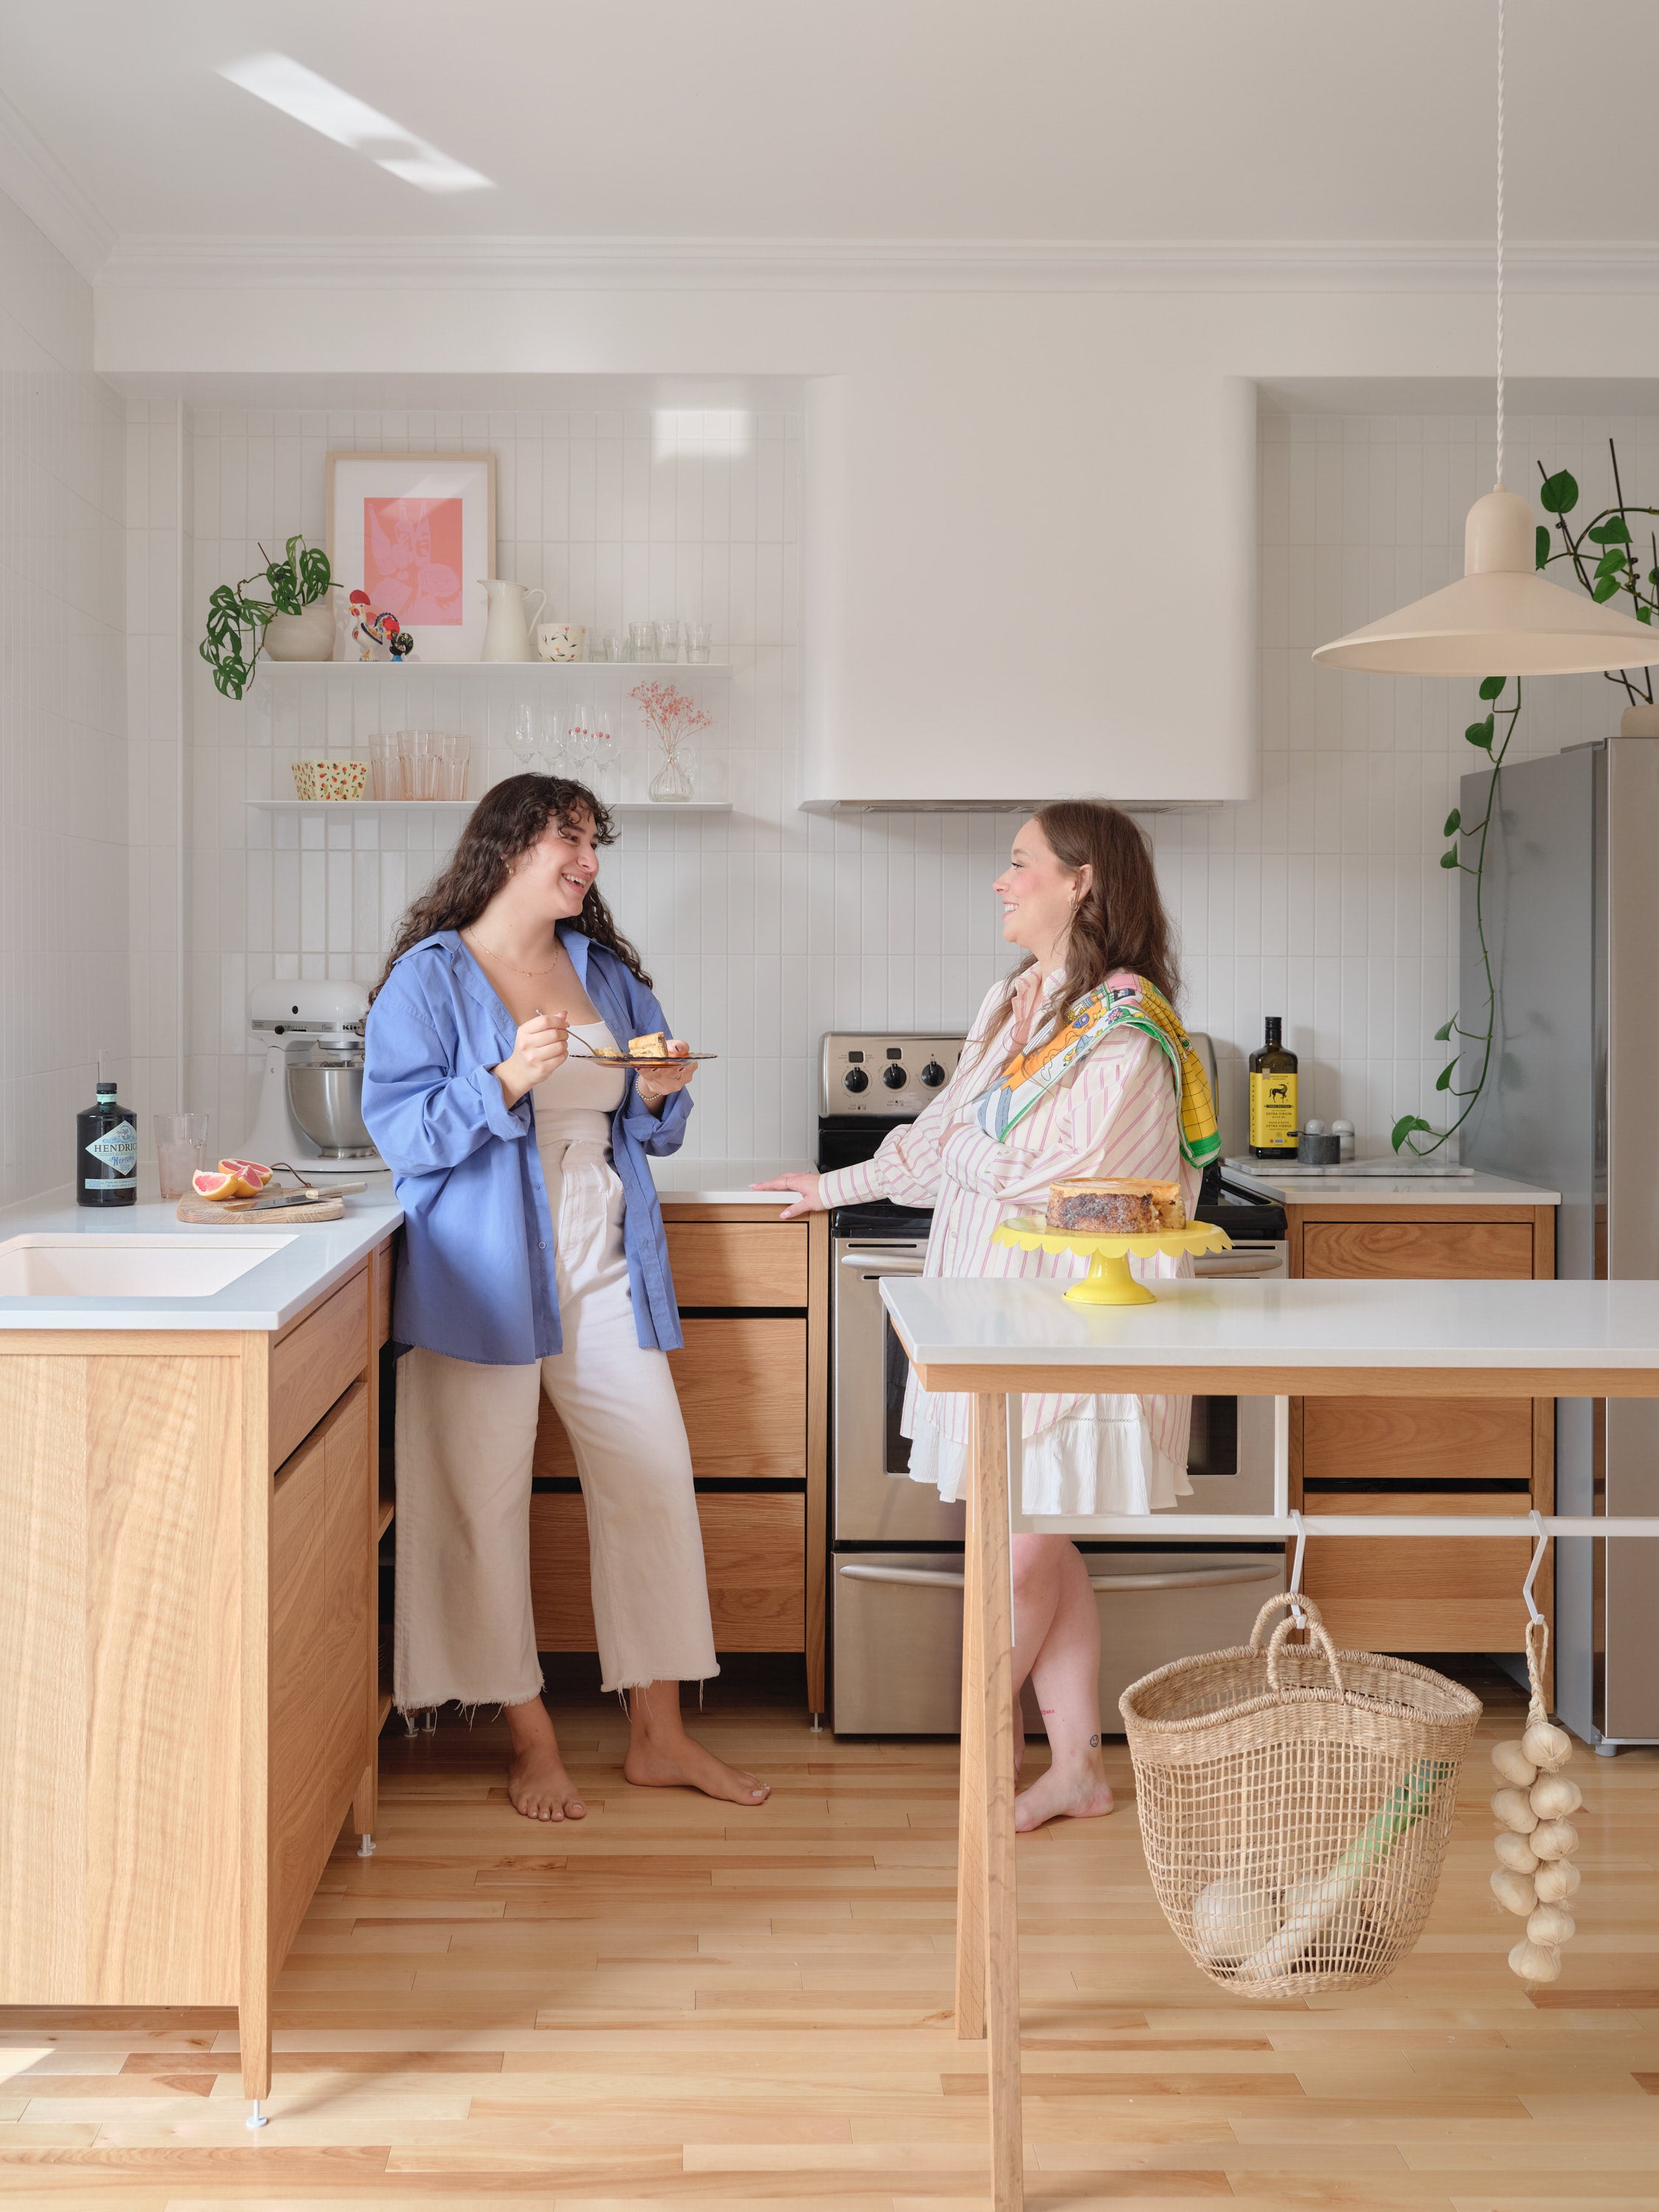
[
  {"x": 236, "y": 623},
  {"x": 1473, "y": 836},
  {"x": 1606, "y": 539}
]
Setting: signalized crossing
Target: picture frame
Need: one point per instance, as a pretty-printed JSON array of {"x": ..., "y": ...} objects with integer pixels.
[{"x": 416, "y": 532}]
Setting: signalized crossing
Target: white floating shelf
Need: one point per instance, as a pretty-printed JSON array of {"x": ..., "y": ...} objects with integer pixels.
[
  {"x": 482, "y": 667},
  {"x": 463, "y": 806}
]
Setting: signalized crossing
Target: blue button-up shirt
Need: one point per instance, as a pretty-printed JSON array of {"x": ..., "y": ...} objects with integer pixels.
[{"x": 477, "y": 1278}]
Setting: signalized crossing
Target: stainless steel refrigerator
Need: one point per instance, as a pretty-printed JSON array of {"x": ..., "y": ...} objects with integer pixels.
[{"x": 1571, "y": 909}]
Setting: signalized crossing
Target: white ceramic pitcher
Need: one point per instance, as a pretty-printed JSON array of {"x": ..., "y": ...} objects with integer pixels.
[{"x": 507, "y": 633}]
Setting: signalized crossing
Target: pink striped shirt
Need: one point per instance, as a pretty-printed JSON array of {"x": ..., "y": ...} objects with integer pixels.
[{"x": 1113, "y": 1114}]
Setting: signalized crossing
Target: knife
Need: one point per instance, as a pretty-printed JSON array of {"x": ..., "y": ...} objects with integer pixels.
[{"x": 315, "y": 1196}]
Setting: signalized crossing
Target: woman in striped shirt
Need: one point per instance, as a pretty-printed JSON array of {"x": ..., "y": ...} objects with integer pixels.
[{"x": 1080, "y": 898}]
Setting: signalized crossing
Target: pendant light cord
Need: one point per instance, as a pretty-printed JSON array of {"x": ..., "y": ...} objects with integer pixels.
[{"x": 1500, "y": 243}]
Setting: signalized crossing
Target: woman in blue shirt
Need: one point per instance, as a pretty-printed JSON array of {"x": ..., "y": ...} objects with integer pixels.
[{"x": 534, "y": 1261}]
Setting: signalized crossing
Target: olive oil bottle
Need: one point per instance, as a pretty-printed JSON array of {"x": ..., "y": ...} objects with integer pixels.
[{"x": 1273, "y": 1119}]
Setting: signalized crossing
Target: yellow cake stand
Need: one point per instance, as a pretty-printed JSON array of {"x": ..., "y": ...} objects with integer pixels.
[{"x": 1108, "y": 1282}]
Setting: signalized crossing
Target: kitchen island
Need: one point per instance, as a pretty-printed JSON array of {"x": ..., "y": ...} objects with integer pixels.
[
  {"x": 189, "y": 1519},
  {"x": 998, "y": 1340}
]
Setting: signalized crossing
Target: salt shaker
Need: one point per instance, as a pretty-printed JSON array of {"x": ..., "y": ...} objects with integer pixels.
[{"x": 1343, "y": 1132}]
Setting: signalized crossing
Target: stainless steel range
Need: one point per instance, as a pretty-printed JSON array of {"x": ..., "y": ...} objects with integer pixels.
[{"x": 896, "y": 1551}]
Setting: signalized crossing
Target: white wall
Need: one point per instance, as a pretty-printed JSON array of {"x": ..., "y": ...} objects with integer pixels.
[{"x": 62, "y": 773}]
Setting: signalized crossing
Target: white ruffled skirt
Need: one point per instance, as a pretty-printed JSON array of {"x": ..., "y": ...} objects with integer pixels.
[{"x": 1099, "y": 1458}]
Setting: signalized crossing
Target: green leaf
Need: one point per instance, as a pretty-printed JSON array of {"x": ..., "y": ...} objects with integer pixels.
[
  {"x": 1541, "y": 544},
  {"x": 1449, "y": 859},
  {"x": 1644, "y": 613},
  {"x": 1491, "y": 687},
  {"x": 1610, "y": 564},
  {"x": 1616, "y": 530},
  {"x": 1605, "y": 589},
  {"x": 1479, "y": 733},
  {"x": 1443, "y": 1081},
  {"x": 1407, "y": 1126},
  {"x": 1454, "y": 822},
  {"x": 1445, "y": 1028},
  {"x": 1559, "y": 494}
]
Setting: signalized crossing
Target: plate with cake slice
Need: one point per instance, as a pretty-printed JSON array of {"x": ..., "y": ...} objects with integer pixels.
[{"x": 653, "y": 1051}]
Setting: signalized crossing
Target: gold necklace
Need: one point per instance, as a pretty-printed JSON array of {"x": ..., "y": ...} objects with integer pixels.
[{"x": 506, "y": 963}]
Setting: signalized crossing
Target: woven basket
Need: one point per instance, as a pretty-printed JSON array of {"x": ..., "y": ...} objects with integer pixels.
[{"x": 1295, "y": 1804}]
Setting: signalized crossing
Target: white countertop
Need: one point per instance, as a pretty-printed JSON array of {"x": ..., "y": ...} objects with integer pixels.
[
  {"x": 1522, "y": 1325},
  {"x": 1380, "y": 1190},
  {"x": 722, "y": 1182},
  {"x": 309, "y": 1261}
]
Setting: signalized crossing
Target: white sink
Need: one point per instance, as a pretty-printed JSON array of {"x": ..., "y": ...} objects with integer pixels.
[{"x": 48, "y": 1265}]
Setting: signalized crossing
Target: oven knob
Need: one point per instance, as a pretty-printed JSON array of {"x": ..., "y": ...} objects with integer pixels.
[
  {"x": 856, "y": 1079},
  {"x": 893, "y": 1076},
  {"x": 933, "y": 1075}
]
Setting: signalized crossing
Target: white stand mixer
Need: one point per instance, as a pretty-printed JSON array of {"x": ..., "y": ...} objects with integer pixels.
[{"x": 310, "y": 1101}]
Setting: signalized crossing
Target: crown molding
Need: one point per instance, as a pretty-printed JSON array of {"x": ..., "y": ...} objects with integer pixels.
[
  {"x": 32, "y": 174},
  {"x": 716, "y": 265}
]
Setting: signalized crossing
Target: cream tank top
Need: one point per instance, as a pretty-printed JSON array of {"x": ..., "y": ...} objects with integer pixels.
[{"x": 574, "y": 1104}]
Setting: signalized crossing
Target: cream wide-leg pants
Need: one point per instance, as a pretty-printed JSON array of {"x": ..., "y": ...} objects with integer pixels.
[{"x": 466, "y": 1435}]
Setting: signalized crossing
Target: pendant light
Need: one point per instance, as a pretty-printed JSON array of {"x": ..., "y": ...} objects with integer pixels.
[{"x": 1503, "y": 617}]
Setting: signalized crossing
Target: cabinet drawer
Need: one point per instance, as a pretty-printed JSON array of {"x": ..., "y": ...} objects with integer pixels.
[
  {"x": 382, "y": 1268},
  {"x": 742, "y": 1387},
  {"x": 1416, "y": 1439},
  {"x": 738, "y": 1263},
  {"x": 317, "y": 1360},
  {"x": 1444, "y": 1249},
  {"x": 754, "y": 1548},
  {"x": 1409, "y": 1594}
]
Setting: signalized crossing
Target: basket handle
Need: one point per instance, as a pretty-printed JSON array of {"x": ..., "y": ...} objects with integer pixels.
[
  {"x": 1317, "y": 1634},
  {"x": 1316, "y": 1619}
]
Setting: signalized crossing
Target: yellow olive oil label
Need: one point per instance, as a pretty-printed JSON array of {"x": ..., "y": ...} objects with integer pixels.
[{"x": 1272, "y": 1110}]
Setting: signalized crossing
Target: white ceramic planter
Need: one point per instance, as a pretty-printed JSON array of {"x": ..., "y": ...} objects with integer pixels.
[{"x": 306, "y": 636}]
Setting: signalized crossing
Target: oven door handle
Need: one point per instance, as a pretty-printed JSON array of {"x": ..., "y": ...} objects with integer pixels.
[
  {"x": 1179, "y": 1578},
  {"x": 873, "y": 1268}
]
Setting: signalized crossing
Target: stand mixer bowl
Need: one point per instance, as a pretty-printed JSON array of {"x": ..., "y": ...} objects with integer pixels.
[{"x": 326, "y": 1098}]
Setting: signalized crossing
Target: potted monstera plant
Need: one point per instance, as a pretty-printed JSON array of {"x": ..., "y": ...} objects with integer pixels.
[{"x": 294, "y": 622}]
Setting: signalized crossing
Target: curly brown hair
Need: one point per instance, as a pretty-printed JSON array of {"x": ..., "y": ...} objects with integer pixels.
[
  {"x": 507, "y": 821},
  {"x": 1122, "y": 923}
]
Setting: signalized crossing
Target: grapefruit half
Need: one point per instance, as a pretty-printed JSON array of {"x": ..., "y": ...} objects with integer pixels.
[{"x": 208, "y": 1184}]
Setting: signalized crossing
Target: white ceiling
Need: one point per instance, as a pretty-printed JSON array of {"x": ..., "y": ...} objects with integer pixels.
[{"x": 877, "y": 119}]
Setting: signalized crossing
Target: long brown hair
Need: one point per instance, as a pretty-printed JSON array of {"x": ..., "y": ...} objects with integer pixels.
[
  {"x": 508, "y": 821},
  {"x": 1121, "y": 922}
]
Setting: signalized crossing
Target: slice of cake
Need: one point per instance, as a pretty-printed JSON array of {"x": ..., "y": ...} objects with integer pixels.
[
  {"x": 1117, "y": 1207},
  {"x": 653, "y": 1047}
]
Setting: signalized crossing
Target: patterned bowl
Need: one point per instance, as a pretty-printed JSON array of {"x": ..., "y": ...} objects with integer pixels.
[{"x": 330, "y": 779}]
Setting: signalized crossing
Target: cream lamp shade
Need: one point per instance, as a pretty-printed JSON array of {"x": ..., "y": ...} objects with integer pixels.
[{"x": 1502, "y": 617}]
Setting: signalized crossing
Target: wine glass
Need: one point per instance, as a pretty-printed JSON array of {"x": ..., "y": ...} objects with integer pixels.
[
  {"x": 523, "y": 736},
  {"x": 605, "y": 758},
  {"x": 580, "y": 739},
  {"x": 549, "y": 752}
]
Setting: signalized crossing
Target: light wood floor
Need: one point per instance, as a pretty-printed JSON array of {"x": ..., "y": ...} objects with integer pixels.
[{"x": 684, "y": 2002}]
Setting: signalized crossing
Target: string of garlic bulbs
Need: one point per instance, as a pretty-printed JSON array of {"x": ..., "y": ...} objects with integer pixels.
[{"x": 1535, "y": 1838}]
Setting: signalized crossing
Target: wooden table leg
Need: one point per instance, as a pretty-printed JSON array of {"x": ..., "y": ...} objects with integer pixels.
[
  {"x": 989, "y": 1546},
  {"x": 970, "y": 1816}
]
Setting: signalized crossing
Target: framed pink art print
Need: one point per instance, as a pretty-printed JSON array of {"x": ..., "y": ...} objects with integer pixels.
[{"x": 416, "y": 532}]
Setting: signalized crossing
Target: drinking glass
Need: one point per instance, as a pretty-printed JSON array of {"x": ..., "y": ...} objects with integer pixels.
[
  {"x": 667, "y": 635},
  {"x": 579, "y": 739},
  {"x": 421, "y": 761},
  {"x": 696, "y": 641},
  {"x": 180, "y": 1150},
  {"x": 605, "y": 764},
  {"x": 641, "y": 641},
  {"x": 455, "y": 754},
  {"x": 385, "y": 776},
  {"x": 551, "y": 747},
  {"x": 524, "y": 736},
  {"x": 605, "y": 645}
]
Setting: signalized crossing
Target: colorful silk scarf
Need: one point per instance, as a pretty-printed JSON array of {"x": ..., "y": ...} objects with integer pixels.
[{"x": 1123, "y": 1001}]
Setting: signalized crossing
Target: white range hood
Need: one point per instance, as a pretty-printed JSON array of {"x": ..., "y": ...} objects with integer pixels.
[{"x": 982, "y": 633}]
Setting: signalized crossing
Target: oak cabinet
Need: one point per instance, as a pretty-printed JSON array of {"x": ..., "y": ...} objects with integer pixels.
[
  {"x": 1460, "y": 1455},
  {"x": 754, "y": 1551},
  {"x": 187, "y": 1524}
]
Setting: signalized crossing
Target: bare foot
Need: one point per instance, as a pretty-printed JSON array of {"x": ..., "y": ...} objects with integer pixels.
[
  {"x": 1077, "y": 1793},
  {"x": 539, "y": 1787},
  {"x": 682, "y": 1762}
]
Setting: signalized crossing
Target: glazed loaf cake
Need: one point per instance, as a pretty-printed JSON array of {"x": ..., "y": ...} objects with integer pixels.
[{"x": 1117, "y": 1207}]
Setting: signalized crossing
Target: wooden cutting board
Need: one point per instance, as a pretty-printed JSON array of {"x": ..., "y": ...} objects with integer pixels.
[{"x": 228, "y": 1213}]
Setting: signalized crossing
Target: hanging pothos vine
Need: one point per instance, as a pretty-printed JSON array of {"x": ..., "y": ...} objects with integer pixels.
[{"x": 1607, "y": 541}]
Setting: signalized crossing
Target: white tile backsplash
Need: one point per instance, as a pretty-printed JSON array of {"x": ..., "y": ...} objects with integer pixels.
[{"x": 64, "y": 798}]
